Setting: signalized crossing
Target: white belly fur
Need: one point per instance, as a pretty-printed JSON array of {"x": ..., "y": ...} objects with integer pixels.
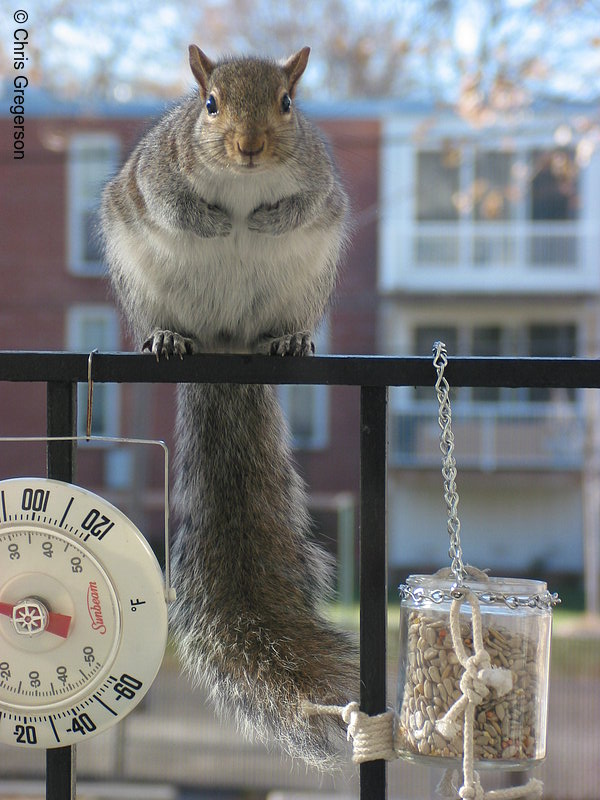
[{"x": 239, "y": 285}]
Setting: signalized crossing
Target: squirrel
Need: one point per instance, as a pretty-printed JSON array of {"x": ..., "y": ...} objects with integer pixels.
[{"x": 223, "y": 232}]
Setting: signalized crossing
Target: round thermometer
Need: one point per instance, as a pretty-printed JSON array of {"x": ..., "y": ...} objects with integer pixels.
[{"x": 83, "y": 614}]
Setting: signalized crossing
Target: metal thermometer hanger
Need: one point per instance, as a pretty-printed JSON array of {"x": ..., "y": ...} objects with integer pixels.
[{"x": 83, "y": 607}]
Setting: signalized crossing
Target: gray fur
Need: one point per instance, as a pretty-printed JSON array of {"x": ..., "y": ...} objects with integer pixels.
[{"x": 212, "y": 249}]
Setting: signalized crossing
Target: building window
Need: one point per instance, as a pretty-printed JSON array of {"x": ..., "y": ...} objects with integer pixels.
[
  {"x": 424, "y": 337},
  {"x": 554, "y": 201},
  {"x": 93, "y": 158},
  {"x": 438, "y": 179},
  {"x": 481, "y": 207},
  {"x": 486, "y": 341},
  {"x": 491, "y": 193},
  {"x": 551, "y": 341},
  {"x": 307, "y": 407},
  {"x": 89, "y": 328},
  {"x": 553, "y": 185},
  {"x": 543, "y": 341}
]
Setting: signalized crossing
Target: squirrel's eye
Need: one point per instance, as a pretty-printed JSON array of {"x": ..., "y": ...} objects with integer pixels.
[
  {"x": 211, "y": 105},
  {"x": 286, "y": 103}
]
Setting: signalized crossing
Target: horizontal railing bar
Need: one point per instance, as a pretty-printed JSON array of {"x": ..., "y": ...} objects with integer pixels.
[{"x": 332, "y": 370}]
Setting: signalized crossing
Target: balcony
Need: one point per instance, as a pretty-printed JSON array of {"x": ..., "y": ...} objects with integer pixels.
[
  {"x": 470, "y": 256},
  {"x": 511, "y": 436}
]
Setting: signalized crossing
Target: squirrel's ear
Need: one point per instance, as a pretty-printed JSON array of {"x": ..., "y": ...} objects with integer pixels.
[
  {"x": 295, "y": 66},
  {"x": 202, "y": 67}
]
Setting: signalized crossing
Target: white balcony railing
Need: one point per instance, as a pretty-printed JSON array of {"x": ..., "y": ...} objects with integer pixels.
[
  {"x": 474, "y": 256},
  {"x": 530, "y": 436},
  {"x": 498, "y": 245}
]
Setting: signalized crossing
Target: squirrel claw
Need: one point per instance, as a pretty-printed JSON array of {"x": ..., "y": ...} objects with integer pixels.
[
  {"x": 167, "y": 343},
  {"x": 293, "y": 344}
]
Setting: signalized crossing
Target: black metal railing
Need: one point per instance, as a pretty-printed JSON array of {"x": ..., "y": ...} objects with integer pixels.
[{"x": 62, "y": 371}]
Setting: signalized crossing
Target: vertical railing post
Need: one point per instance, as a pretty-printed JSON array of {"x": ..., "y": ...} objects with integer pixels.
[
  {"x": 373, "y": 573},
  {"x": 60, "y": 464}
]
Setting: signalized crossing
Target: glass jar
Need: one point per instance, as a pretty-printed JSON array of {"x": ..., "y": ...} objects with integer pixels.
[{"x": 516, "y": 616}]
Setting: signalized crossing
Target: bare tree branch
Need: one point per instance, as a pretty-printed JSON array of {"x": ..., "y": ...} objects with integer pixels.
[{"x": 392, "y": 48}]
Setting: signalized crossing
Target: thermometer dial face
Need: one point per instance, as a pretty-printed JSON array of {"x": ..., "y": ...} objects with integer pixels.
[{"x": 83, "y": 616}]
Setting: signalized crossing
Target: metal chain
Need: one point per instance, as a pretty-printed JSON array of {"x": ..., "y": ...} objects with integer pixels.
[
  {"x": 421, "y": 594},
  {"x": 442, "y": 388}
]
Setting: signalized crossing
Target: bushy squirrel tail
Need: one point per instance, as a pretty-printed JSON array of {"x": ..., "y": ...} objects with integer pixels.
[{"x": 247, "y": 619}]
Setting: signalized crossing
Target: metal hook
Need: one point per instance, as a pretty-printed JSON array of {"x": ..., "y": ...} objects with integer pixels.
[
  {"x": 170, "y": 593},
  {"x": 90, "y": 396}
]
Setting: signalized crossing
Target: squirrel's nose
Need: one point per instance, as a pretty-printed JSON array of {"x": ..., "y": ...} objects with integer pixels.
[{"x": 250, "y": 148}]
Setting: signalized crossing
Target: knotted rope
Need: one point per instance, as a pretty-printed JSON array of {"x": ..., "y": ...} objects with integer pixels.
[
  {"x": 448, "y": 787},
  {"x": 372, "y": 737},
  {"x": 478, "y": 679}
]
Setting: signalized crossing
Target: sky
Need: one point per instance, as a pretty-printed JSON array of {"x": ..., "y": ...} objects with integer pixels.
[{"x": 125, "y": 41}]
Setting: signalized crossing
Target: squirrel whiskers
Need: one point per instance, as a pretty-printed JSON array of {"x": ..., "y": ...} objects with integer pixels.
[{"x": 223, "y": 233}]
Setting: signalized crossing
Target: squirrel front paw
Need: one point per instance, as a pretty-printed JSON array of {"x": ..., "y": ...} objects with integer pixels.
[
  {"x": 205, "y": 220},
  {"x": 291, "y": 344},
  {"x": 218, "y": 221},
  {"x": 167, "y": 343},
  {"x": 267, "y": 219}
]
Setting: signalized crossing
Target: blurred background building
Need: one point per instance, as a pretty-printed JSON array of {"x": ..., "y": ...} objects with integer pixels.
[{"x": 484, "y": 237}]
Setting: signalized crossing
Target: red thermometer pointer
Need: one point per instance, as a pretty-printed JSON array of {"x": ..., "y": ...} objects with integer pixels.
[{"x": 29, "y": 619}]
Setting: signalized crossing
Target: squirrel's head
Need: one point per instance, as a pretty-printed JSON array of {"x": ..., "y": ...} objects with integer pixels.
[{"x": 248, "y": 117}]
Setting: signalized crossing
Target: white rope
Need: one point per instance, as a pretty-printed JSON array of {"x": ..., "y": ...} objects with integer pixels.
[
  {"x": 533, "y": 789},
  {"x": 448, "y": 788},
  {"x": 478, "y": 679},
  {"x": 372, "y": 737}
]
